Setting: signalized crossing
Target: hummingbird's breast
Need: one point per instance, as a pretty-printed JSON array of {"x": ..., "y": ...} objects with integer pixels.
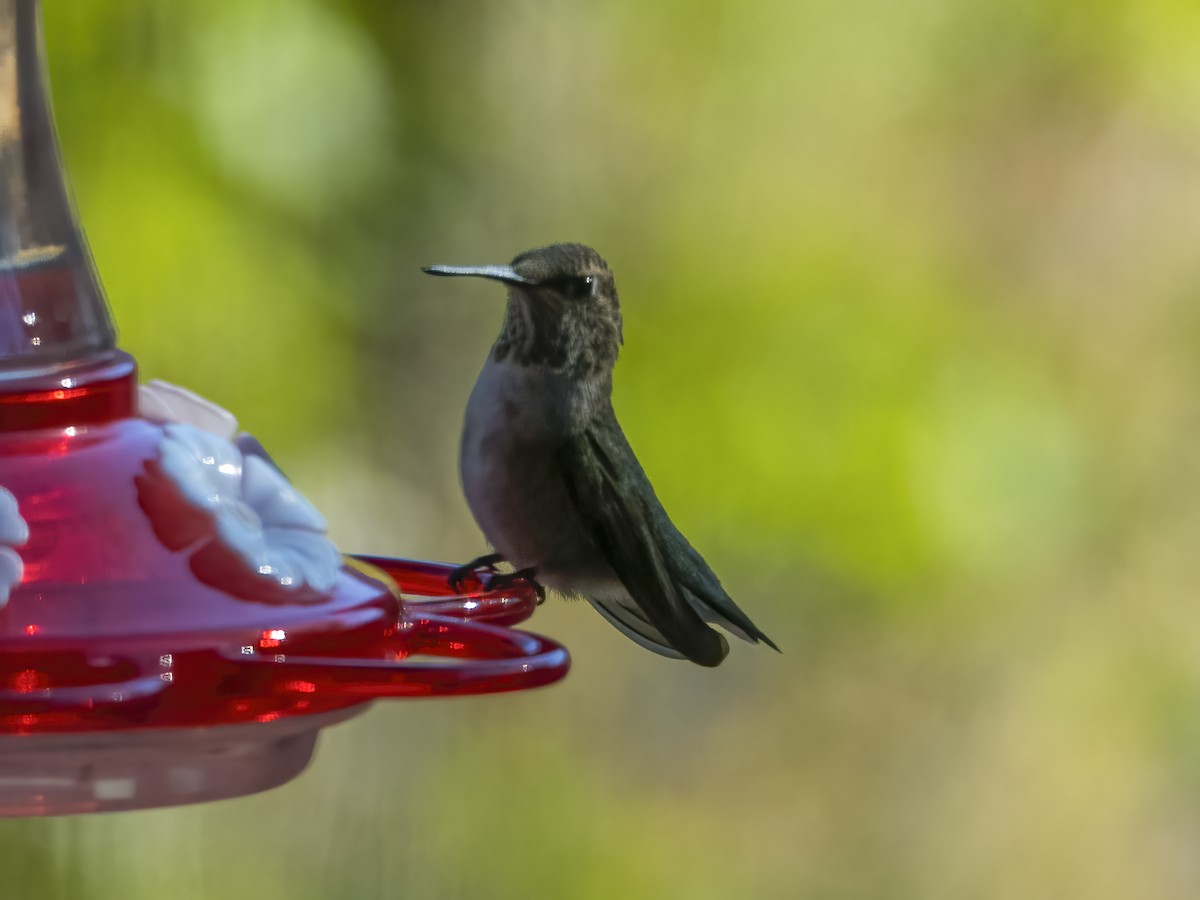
[{"x": 516, "y": 420}]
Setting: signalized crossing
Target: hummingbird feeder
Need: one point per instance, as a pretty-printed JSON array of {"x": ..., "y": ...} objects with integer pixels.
[{"x": 175, "y": 625}]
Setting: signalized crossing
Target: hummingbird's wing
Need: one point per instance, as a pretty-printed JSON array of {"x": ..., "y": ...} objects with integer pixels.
[{"x": 614, "y": 500}]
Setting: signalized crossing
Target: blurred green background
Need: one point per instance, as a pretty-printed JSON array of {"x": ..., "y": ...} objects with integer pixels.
[{"x": 912, "y": 352}]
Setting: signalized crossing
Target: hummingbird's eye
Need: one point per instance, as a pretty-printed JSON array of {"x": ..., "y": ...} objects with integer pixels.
[
  {"x": 578, "y": 288},
  {"x": 573, "y": 287}
]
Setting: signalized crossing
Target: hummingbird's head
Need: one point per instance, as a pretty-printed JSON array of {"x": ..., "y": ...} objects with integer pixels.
[{"x": 563, "y": 311}]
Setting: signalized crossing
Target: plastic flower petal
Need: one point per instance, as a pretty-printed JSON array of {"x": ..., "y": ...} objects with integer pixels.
[
  {"x": 13, "y": 528},
  {"x": 207, "y": 468},
  {"x": 11, "y": 572},
  {"x": 313, "y": 555},
  {"x": 274, "y": 498},
  {"x": 14, "y": 532},
  {"x": 171, "y": 403}
]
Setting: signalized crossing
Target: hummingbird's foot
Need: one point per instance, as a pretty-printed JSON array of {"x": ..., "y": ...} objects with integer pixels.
[
  {"x": 501, "y": 580},
  {"x": 458, "y": 577}
]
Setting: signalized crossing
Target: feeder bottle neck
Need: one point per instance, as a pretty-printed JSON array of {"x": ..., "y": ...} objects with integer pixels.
[{"x": 53, "y": 317}]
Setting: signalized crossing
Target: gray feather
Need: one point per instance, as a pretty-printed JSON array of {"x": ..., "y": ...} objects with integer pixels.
[{"x": 625, "y": 617}]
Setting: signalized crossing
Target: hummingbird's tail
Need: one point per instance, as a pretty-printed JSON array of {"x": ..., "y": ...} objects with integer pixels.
[
  {"x": 739, "y": 625},
  {"x": 708, "y": 598}
]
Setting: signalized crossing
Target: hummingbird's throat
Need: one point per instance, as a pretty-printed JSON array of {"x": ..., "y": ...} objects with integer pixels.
[{"x": 533, "y": 333}]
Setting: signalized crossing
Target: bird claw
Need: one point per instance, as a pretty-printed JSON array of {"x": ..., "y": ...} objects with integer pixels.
[
  {"x": 497, "y": 581},
  {"x": 458, "y": 577},
  {"x": 500, "y": 580}
]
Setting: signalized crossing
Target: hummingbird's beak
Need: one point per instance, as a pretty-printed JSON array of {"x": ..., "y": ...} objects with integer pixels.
[{"x": 506, "y": 274}]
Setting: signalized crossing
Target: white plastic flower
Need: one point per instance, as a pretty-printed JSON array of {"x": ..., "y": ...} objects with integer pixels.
[
  {"x": 273, "y": 538},
  {"x": 171, "y": 403},
  {"x": 14, "y": 532}
]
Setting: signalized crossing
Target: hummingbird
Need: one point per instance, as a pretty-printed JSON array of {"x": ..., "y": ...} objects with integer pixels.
[{"x": 551, "y": 479}]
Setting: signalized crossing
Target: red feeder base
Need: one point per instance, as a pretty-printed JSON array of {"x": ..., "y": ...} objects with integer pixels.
[{"x": 233, "y": 720}]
